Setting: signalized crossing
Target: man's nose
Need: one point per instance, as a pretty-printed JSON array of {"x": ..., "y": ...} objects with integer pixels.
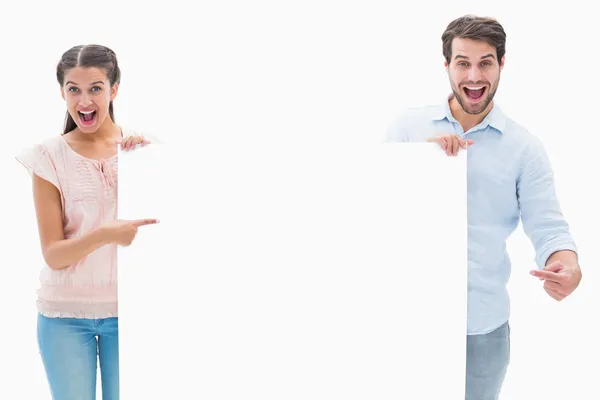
[{"x": 474, "y": 74}]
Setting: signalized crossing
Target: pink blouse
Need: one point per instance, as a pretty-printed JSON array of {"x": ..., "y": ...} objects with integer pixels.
[{"x": 88, "y": 189}]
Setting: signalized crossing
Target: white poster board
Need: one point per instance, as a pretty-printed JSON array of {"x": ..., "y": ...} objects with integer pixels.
[{"x": 293, "y": 272}]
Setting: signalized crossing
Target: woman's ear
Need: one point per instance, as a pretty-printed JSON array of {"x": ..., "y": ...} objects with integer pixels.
[{"x": 113, "y": 91}]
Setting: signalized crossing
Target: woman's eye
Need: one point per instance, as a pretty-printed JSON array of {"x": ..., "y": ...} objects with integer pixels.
[
  {"x": 96, "y": 89},
  {"x": 73, "y": 89}
]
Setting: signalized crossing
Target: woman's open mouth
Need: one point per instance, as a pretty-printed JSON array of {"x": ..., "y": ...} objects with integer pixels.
[
  {"x": 87, "y": 117},
  {"x": 474, "y": 93}
]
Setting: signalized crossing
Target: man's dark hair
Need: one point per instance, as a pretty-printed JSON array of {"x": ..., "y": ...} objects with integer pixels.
[{"x": 475, "y": 28}]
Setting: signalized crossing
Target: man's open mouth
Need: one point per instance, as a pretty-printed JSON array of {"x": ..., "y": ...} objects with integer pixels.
[{"x": 474, "y": 92}]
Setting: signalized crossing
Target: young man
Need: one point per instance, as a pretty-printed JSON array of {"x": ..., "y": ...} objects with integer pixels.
[{"x": 509, "y": 177}]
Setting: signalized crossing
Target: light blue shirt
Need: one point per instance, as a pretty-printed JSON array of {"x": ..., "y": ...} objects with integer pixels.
[{"x": 509, "y": 176}]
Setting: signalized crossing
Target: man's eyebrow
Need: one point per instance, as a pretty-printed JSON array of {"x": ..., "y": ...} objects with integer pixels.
[
  {"x": 93, "y": 83},
  {"x": 489, "y": 55}
]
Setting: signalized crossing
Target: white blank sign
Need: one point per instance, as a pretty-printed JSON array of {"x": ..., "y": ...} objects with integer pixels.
[{"x": 294, "y": 272}]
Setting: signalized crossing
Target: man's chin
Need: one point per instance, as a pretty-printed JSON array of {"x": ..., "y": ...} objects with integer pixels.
[{"x": 474, "y": 108}]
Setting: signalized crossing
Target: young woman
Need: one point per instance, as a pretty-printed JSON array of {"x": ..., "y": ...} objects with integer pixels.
[{"x": 75, "y": 196}]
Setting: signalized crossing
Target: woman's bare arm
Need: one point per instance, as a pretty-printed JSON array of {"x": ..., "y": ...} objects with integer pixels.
[{"x": 59, "y": 252}]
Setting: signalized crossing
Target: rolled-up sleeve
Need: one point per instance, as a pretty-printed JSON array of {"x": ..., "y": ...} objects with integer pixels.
[{"x": 541, "y": 215}]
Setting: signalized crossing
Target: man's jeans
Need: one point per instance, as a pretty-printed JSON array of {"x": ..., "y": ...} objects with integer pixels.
[{"x": 487, "y": 361}]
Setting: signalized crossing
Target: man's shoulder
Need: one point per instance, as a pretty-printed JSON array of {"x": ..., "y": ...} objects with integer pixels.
[
  {"x": 521, "y": 142},
  {"x": 518, "y": 132}
]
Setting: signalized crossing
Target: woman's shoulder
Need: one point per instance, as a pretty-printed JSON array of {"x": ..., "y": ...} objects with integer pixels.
[
  {"x": 43, "y": 159},
  {"x": 51, "y": 146}
]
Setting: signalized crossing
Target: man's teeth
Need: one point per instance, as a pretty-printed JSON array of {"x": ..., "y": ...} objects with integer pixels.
[{"x": 474, "y": 87}]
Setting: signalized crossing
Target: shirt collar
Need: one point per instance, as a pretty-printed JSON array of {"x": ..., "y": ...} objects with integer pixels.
[{"x": 495, "y": 117}]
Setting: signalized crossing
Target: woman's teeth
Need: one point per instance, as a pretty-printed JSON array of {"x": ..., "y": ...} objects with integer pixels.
[{"x": 87, "y": 116}]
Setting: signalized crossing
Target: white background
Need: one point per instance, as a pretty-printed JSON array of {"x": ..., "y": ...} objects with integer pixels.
[{"x": 311, "y": 71}]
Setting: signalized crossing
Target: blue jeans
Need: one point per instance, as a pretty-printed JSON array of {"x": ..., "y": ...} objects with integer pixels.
[
  {"x": 488, "y": 357},
  {"x": 70, "y": 349}
]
